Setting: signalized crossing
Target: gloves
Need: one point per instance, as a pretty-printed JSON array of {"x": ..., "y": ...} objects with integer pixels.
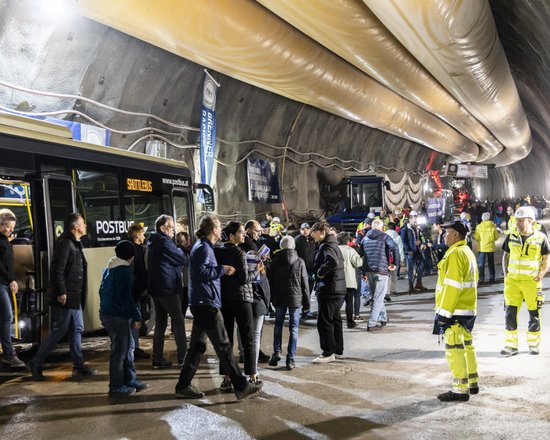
[{"x": 441, "y": 323}]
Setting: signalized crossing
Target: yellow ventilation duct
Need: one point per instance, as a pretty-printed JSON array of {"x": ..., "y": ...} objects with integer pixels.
[
  {"x": 457, "y": 42},
  {"x": 351, "y": 30},
  {"x": 242, "y": 39}
]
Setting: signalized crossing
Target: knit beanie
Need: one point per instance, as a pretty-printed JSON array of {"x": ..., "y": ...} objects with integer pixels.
[
  {"x": 287, "y": 242},
  {"x": 125, "y": 250}
]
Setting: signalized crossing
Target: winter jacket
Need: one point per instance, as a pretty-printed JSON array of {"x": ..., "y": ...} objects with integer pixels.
[
  {"x": 140, "y": 271},
  {"x": 409, "y": 239},
  {"x": 328, "y": 266},
  {"x": 456, "y": 289},
  {"x": 352, "y": 261},
  {"x": 236, "y": 288},
  {"x": 305, "y": 246},
  {"x": 486, "y": 234},
  {"x": 6, "y": 261},
  {"x": 117, "y": 289},
  {"x": 68, "y": 272},
  {"x": 204, "y": 282},
  {"x": 165, "y": 263},
  {"x": 377, "y": 248},
  {"x": 289, "y": 280},
  {"x": 397, "y": 238}
]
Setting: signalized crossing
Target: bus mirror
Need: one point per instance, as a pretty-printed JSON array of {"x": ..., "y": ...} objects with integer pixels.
[{"x": 208, "y": 195}]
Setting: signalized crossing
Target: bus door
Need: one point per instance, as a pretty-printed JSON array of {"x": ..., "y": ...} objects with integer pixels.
[
  {"x": 59, "y": 202},
  {"x": 15, "y": 196},
  {"x": 181, "y": 208}
]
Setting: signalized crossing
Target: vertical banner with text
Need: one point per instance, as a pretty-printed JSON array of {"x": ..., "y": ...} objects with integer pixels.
[
  {"x": 263, "y": 181},
  {"x": 208, "y": 132}
]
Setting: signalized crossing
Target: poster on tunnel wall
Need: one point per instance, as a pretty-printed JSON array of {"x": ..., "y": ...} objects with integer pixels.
[
  {"x": 207, "y": 131},
  {"x": 263, "y": 181}
]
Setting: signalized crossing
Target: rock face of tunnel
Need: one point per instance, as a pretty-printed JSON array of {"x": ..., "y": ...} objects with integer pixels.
[{"x": 82, "y": 57}]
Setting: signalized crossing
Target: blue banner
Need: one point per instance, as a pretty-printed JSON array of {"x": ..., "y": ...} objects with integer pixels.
[
  {"x": 208, "y": 131},
  {"x": 263, "y": 181}
]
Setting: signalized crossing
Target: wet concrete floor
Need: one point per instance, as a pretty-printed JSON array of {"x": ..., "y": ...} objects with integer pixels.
[{"x": 384, "y": 388}]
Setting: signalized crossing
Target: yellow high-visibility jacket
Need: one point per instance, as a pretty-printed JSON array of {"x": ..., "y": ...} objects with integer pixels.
[
  {"x": 486, "y": 234},
  {"x": 511, "y": 226},
  {"x": 456, "y": 289},
  {"x": 525, "y": 256}
]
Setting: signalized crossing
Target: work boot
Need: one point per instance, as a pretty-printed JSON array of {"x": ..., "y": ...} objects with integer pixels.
[
  {"x": 474, "y": 389},
  {"x": 411, "y": 288},
  {"x": 275, "y": 358},
  {"x": 509, "y": 351},
  {"x": 449, "y": 396},
  {"x": 534, "y": 350},
  {"x": 419, "y": 286}
]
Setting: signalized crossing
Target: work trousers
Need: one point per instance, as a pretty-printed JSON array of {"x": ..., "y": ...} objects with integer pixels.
[
  {"x": 515, "y": 292},
  {"x": 461, "y": 357}
]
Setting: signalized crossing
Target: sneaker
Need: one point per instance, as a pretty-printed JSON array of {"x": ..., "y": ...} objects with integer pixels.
[
  {"x": 163, "y": 363},
  {"x": 141, "y": 354},
  {"x": 368, "y": 302},
  {"x": 139, "y": 386},
  {"x": 275, "y": 358},
  {"x": 383, "y": 323},
  {"x": 83, "y": 371},
  {"x": 263, "y": 358},
  {"x": 474, "y": 389},
  {"x": 351, "y": 325},
  {"x": 189, "y": 392},
  {"x": 290, "y": 365},
  {"x": 370, "y": 329},
  {"x": 449, "y": 396},
  {"x": 324, "y": 359},
  {"x": 509, "y": 351},
  {"x": 357, "y": 318},
  {"x": 534, "y": 350},
  {"x": 249, "y": 389},
  {"x": 122, "y": 391},
  {"x": 12, "y": 361},
  {"x": 226, "y": 386},
  {"x": 35, "y": 371}
]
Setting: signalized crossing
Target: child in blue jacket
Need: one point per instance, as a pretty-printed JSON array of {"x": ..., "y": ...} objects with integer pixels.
[{"x": 119, "y": 315}]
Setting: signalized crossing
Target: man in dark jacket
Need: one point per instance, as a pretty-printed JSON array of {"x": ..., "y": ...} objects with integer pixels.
[
  {"x": 164, "y": 280},
  {"x": 330, "y": 288},
  {"x": 305, "y": 247},
  {"x": 205, "y": 304},
  {"x": 378, "y": 247},
  {"x": 413, "y": 245},
  {"x": 290, "y": 290},
  {"x": 8, "y": 286},
  {"x": 68, "y": 278}
]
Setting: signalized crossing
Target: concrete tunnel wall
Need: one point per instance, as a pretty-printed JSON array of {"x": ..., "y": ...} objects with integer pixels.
[{"x": 84, "y": 58}]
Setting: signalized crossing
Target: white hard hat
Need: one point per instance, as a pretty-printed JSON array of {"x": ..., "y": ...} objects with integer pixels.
[
  {"x": 413, "y": 213},
  {"x": 276, "y": 219},
  {"x": 371, "y": 215},
  {"x": 463, "y": 216},
  {"x": 525, "y": 212}
]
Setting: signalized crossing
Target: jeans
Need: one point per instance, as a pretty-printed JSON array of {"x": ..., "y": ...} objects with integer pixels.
[
  {"x": 353, "y": 304},
  {"x": 490, "y": 257},
  {"x": 378, "y": 311},
  {"x": 122, "y": 370},
  {"x": 242, "y": 313},
  {"x": 208, "y": 322},
  {"x": 6, "y": 317},
  {"x": 257, "y": 327},
  {"x": 365, "y": 290},
  {"x": 135, "y": 331},
  {"x": 63, "y": 321},
  {"x": 293, "y": 322},
  {"x": 329, "y": 325},
  {"x": 418, "y": 261},
  {"x": 164, "y": 306}
]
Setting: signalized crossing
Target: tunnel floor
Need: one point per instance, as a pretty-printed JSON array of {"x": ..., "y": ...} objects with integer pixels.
[{"x": 385, "y": 387}]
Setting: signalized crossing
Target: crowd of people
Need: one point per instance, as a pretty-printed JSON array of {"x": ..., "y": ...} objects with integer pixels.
[{"x": 232, "y": 276}]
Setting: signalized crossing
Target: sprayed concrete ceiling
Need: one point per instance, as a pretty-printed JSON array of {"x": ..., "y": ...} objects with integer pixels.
[{"x": 344, "y": 85}]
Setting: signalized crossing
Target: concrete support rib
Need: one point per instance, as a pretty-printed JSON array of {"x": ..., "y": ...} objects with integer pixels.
[
  {"x": 457, "y": 42},
  {"x": 352, "y": 31},
  {"x": 242, "y": 39}
]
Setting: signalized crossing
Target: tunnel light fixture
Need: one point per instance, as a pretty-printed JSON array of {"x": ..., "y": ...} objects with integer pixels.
[{"x": 511, "y": 190}]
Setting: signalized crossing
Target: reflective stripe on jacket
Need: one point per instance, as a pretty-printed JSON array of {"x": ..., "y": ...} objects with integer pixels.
[
  {"x": 525, "y": 256},
  {"x": 486, "y": 234},
  {"x": 456, "y": 289}
]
